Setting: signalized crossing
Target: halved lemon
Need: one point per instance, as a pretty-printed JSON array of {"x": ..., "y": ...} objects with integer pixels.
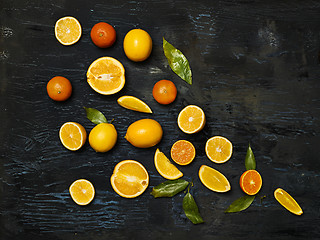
[
  {"x": 134, "y": 104},
  {"x": 129, "y": 179},
  {"x": 191, "y": 119},
  {"x": 82, "y": 191},
  {"x": 68, "y": 30},
  {"x": 72, "y": 135},
  {"x": 287, "y": 201},
  {"x": 213, "y": 179},
  {"x": 106, "y": 75},
  {"x": 218, "y": 149},
  {"x": 165, "y": 168}
]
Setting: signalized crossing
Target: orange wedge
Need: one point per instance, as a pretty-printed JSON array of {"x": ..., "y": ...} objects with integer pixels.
[
  {"x": 72, "y": 135},
  {"x": 82, "y": 191},
  {"x": 191, "y": 119},
  {"x": 134, "y": 104},
  {"x": 165, "y": 168},
  {"x": 183, "y": 152},
  {"x": 218, "y": 149},
  {"x": 129, "y": 179},
  {"x": 287, "y": 201},
  {"x": 213, "y": 179},
  {"x": 68, "y": 30},
  {"x": 106, "y": 75}
]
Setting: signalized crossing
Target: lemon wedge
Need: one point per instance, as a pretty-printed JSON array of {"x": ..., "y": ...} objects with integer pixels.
[
  {"x": 165, "y": 168},
  {"x": 287, "y": 201},
  {"x": 134, "y": 104}
]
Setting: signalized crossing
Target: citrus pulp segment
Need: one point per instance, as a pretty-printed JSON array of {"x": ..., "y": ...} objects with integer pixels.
[
  {"x": 72, "y": 135},
  {"x": 218, "y": 149},
  {"x": 183, "y": 152},
  {"x": 287, "y": 201},
  {"x": 213, "y": 179},
  {"x": 129, "y": 179},
  {"x": 191, "y": 119},
  {"x": 134, "y": 104},
  {"x": 106, "y": 75},
  {"x": 82, "y": 191},
  {"x": 68, "y": 30},
  {"x": 164, "y": 167}
]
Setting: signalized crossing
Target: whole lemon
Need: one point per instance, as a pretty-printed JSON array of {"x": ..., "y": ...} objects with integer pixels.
[
  {"x": 103, "y": 137},
  {"x": 137, "y": 45},
  {"x": 144, "y": 133}
]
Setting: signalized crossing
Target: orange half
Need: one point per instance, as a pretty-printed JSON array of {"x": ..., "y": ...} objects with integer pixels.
[
  {"x": 191, "y": 119},
  {"x": 82, "y": 191},
  {"x": 72, "y": 135},
  {"x": 68, "y": 30},
  {"x": 218, "y": 149}
]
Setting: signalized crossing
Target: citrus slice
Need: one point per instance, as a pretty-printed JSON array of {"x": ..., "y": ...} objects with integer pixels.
[
  {"x": 72, "y": 135},
  {"x": 165, "y": 168},
  {"x": 191, "y": 119},
  {"x": 183, "y": 152},
  {"x": 251, "y": 182},
  {"x": 134, "y": 104},
  {"x": 106, "y": 75},
  {"x": 213, "y": 179},
  {"x": 82, "y": 191},
  {"x": 218, "y": 149},
  {"x": 287, "y": 201},
  {"x": 68, "y": 30},
  {"x": 129, "y": 179}
]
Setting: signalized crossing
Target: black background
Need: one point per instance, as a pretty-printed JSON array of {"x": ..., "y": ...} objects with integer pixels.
[{"x": 255, "y": 73}]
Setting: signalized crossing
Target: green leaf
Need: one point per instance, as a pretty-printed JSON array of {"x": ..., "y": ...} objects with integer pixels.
[
  {"x": 169, "y": 188},
  {"x": 95, "y": 116},
  {"x": 177, "y": 61},
  {"x": 250, "y": 161},
  {"x": 240, "y": 204},
  {"x": 191, "y": 209}
]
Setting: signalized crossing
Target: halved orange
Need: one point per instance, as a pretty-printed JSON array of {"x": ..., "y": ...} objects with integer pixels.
[
  {"x": 129, "y": 179},
  {"x": 68, "y": 30},
  {"x": 213, "y": 179},
  {"x": 165, "y": 168},
  {"x": 287, "y": 201},
  {"x": 82, "y": 191},
  {"x": 72, "y": 135},
  {"x": 183, "y": 152},
  {"x": 106, "y": 75},
  {"x": 251, "y": 182},
  {"x": 134, "y": 104},
  {"x": 218, "y": 149},
  {"x": 191, "y": 119}
]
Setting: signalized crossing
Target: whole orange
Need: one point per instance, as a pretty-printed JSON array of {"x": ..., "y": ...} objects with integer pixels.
[
  {"x": 103, "y": 35},
  {"x": 59, "y": 88},
  {"x": 164, "y": 92}
]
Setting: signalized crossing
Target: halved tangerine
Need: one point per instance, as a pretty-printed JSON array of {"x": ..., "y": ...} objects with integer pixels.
[
  {"x": 251, "y": 182},
  {"x": 183, "y": 152}
]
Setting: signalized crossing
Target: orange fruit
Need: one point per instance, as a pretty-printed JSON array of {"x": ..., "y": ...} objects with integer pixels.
[
  {"x": 218, "y": 149},
  {"x": 82, "y": 191},
  {"x": 59, "y": 88},
  {"x": 251, "y": 182},
  {"x": 287, "y": 201},
  {"x": 106, "y": 75},
  {"x": 72, "y": 135},
  {"x": 134, "y": 104},
  {"x": 129, "y": 179},
  {"x": 213, "y": 179},
  {"x": 103, "y": 35},
  {"x": 191, "y": 119},
  {"x": 164, "y": 92},
  {"x": 183, "y": 152},
  {"x": 165, "y": 168},
  {"x": 68, "y": 30}
]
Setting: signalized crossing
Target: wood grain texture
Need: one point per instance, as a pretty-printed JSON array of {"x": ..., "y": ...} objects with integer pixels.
[{"x": 255, "y": 74}]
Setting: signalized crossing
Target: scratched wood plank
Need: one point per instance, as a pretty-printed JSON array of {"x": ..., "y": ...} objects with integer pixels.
[{"x": 255, "y": 73}]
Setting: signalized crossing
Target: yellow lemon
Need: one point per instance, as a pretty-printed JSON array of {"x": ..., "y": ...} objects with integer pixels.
[
  {"x": 137, "y": 45},
  {"x": 144, "y": 133},
  {"x": 103, "y": 137}
]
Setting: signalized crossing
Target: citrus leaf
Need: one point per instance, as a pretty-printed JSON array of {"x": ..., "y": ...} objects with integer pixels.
[
  {"x": 240, "y": 204},
  {"x": 169, "y": 188},
  {"x": 177, "y": 61},
  {"x": 250, "y": 161},
  {"x": 191, "y": 209},
  {"x": 95, "y": 116}
]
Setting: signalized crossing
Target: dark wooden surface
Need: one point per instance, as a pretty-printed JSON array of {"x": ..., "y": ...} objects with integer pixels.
[{"x": 255, "y": 73}]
